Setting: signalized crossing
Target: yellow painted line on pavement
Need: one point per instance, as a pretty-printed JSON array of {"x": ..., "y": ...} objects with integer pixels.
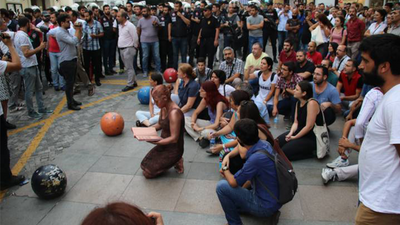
[
  {"x": 36, "y": 141},
  {"x": 15, "y": 131}
]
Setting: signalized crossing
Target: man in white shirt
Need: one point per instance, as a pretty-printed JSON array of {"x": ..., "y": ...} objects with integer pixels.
[
  {"x": 340, "y": 60},
  {"x": 30, "y": 70},
  {"x": 379, "y": 159},
  {"x": 7, "y": 180},
  {"x": 128, "y": 43}
]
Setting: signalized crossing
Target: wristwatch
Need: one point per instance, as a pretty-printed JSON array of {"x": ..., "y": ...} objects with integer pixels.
[{"x": 225, "y": 168}]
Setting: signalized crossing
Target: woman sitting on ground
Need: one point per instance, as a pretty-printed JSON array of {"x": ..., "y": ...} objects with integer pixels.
[
  {"x": 216, "y": 104},
  {"x": 169, "y": 150},
  {"x": 300, "y": 141},
  {"x": 219, "y": 77},
  {"x": 266, "y": 82},
  {"x": 235, "y": 158},
  {"x": 186, "y": 91},
  {"x": 148, "y": 118},
  {"x": 226, "y": 134},
  {"x": 121, "y": 213}
]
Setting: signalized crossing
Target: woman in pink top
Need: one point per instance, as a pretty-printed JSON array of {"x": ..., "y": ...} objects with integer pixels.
[{"x": 338, "y": 33}]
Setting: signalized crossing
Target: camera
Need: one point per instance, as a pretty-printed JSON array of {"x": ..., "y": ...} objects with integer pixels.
[
  {"x": 78, "y": 24},
  {"x": 4, "y": 36}
]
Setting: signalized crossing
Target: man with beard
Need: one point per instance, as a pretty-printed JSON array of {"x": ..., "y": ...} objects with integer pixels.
[
  {"x": 340, "y": 60},
  {"x": 255, "y": 23},
  {"x": 286, "y": 55},
  {"x": 349, "y": 84},
  {"x": 109, "y": 41},
  {"x": 233, "y": 67},
  {"x": 92, "y": 31},
  {"x": 284, "y": 15},
  {"x": 147, "y": 30},
  {"x": 68, "y": 57},
  {"x": 195, "y": 20},
  {"x": 134, "y": 18},
  {"x": 30, "y": 70},
  {"x": 81, "y": 10},
  {"x": 326, "y": 94},
  {"x": 379, "y": 167},
  {"x": 165, "y": 44},
  {"x": 304, "y": 68}
]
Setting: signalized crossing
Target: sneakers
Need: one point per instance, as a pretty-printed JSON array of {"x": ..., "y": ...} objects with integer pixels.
[
  {"x": 45, "y": 111},
  {"x": 328, "y": 174},
  {"x": 127, "y": 88},
  {"x": 34, "y": 115},
  {"x": 338, "y": 162}
]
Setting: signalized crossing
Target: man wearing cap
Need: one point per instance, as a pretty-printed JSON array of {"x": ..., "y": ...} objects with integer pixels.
[{"x": 208, "y": 36}]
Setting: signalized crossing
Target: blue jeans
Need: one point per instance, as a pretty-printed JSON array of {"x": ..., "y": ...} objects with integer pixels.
[
  {"x": 236, "y": 200},
  {"x": 33, "y": 84},
  {"x": 255, "y": 85},
  {"x": 109, "y": 49},
  {"x": 281, "y": 39},
  {"x": 179, "y": 45},
  {"x": 253, "y": 40},
  {"x": 154, "y": 47},
  {"x": 145, "y": 115},
  {"x": 58, "y": 80}
]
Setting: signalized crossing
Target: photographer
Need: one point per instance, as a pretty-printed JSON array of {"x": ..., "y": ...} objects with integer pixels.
[
  {"x": 68, "y": 56},
  {"x": 6, "y": 178},
  {"x": 230, "y": 23}
]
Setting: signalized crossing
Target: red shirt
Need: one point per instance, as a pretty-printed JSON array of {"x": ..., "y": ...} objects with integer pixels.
[
  {"x": 350, "y": 85},
  {"x": 355, "y": 30},
  {"x": 285, "y": 58},
  {"x": 315, "y": 58},
  {"x": 53, "y": 45}
]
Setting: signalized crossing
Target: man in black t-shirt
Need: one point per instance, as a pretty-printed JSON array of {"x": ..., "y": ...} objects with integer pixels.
[
  {"x": 270, "y": 28},
  {"x": 304, "y": 68},
  {"x": 165, "y": 44},
  {"x": 245, "y": 33},
  {"x": 109, "y": 41},
  {"x": 293, "y": 27},
  {"x": 178, "y": 33},
  {"x": 195, "y": 20},
  {"x": 208, "y": 36}
]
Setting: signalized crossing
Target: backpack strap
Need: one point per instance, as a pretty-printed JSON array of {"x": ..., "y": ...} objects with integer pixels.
[
  {"x": 265, "y": 152},
  {"x": 272, "y": 76}
]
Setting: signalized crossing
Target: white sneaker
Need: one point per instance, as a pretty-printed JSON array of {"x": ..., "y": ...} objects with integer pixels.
[
  {"x": 338, "y": 162},
  {"x": 328, "y": 174}
]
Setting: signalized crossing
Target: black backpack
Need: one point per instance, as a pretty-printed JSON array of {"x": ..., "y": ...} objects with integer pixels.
[{"x": 287, "y": 181}]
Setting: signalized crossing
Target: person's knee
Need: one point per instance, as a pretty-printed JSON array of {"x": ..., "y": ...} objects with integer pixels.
[{"x": 222, "y": 187}]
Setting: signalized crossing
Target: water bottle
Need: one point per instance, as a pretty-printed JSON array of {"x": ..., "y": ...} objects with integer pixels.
[
  {"x": 276, "y": 121},
  {"x": 212, "y": 141}
]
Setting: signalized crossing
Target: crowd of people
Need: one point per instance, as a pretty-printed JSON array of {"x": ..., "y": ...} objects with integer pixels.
[{"x": 327, "y": 61}]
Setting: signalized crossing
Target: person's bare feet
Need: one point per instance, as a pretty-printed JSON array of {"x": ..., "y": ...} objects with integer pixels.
[{"x": 179, "y": 166}]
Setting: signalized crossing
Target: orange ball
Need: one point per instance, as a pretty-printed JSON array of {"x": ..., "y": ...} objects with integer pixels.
[{"x": 112, "y": 124}]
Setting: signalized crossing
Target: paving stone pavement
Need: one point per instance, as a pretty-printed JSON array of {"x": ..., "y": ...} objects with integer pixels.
[{"x": 102, "y": 169}]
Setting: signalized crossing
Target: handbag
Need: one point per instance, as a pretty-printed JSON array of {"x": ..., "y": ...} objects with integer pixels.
[
  {"x": 316, "y": 36},
  {"x": 322, "y": 137}
]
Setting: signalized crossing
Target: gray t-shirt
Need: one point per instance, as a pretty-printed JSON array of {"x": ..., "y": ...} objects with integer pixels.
[
  {"x": 252, "y": 20},
  {"x": 149, "y": 32}
]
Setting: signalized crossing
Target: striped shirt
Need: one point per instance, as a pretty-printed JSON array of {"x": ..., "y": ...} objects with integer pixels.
[{"x": 89, "y": 43}]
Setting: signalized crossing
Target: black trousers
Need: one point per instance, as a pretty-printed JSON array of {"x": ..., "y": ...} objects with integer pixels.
[
  {"x": 166, "y": 52},
  {"x": 5, "y": 171},
  {"x": 194, "y": 50},
  {"x": 95, "y": 58},
  {"x": 68, "y": 71},
  {"x": 272, "y": 35},
  {"x": 330, "y": 116},
  {"x": 302, "y": 148},
  {"x": 109, "y": 48},
  {"x": 207, "y": 49}
]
